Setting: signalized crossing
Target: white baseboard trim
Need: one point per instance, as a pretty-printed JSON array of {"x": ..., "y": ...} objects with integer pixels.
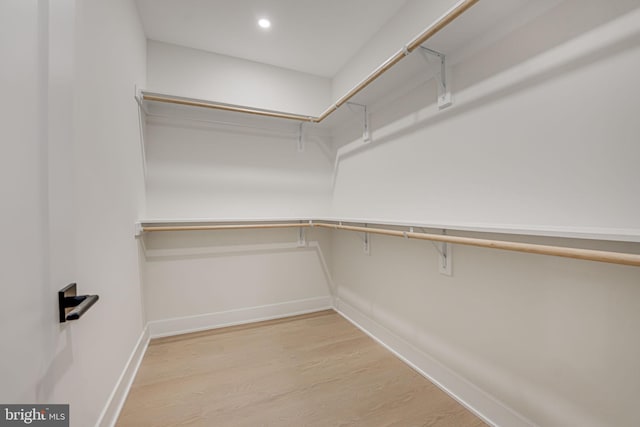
[
  {"x": 470, "y": 396},
  {"x": 184, "y": 325},
  {"x": 118, "y": 396}
]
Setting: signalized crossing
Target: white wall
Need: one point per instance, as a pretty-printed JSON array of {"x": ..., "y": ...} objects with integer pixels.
[
  {"x": 200, "y": 168},
  {"x": 536, "y": 139},
  {"x": 203, "y": 279},
  {"x": 177, "y": 70},
  {"x": 200, "y": 171},
  {"x": 72, "y": 188}
]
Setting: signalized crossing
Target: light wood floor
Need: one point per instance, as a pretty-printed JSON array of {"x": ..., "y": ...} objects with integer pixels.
[{"x": 311, "y": 370}]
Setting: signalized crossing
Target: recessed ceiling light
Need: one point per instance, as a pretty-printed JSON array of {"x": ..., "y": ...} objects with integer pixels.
[{"x": 264, "y": 23}]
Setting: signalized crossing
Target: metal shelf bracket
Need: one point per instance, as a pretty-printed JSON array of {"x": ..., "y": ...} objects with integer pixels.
[
  {"x": 366, "y": 129},
  {"x": 445, "y": 259},
  {"x": 445, "y": 256},
  {"x": 302, "y": 238},
  {"x": 444, "y": 92},
  {"x": 300, "y": 138},
  {"x": 366, "y": 246},
  {"x": 138, "y": 96}
]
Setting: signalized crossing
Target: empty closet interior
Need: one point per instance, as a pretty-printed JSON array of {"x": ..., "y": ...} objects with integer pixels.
[
  {"x": 463, "y": 188},
  {"x": 259, "y": 204}
]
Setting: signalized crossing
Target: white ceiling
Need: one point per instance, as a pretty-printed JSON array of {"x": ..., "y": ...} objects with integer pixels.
[{"x": 316, "y": 37}]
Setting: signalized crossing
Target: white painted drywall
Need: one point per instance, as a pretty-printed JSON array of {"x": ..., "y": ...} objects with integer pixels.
[
  {"x": 72, "y": 188},
  {"x": 543, "y": 133},
  {"x": 535, "y": 139},
  {"x": 200, "y": 171},
  {"x": 181, "y": 71},
  {"x": 199, "y": 273}
]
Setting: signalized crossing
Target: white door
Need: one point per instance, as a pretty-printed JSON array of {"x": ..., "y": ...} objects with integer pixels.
[{"x": 36, "y": 200}]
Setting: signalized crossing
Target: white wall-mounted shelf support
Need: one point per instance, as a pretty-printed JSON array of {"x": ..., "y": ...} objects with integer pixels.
[
  {"x": 445, "y": 259},
  {"x": 366, "y": 128},
  {"x": 138, "y": 94},
  {"x": 301, "y": 138},
  {"x": 366, "y": 243},
  {"x": 141, "y": 123},
  {"x": 302, "y": 238},
  {"x": 444, "y": 91},
  {"x": 445, "y": 256}
]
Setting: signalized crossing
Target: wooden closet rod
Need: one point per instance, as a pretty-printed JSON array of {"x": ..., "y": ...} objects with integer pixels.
[
  {"x": 584, "y": 254},
  {"x": 429, "y": 32},
  {"x": 457, "y": 10},
  {"x": 150, "y": 228},
  {"x": 226, "y": 107}
]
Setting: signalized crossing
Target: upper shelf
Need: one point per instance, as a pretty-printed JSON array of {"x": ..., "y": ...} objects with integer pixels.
[{"x": 587, "y": 233}]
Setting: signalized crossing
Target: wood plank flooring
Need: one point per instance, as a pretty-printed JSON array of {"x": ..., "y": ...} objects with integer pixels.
[{"x": 310, "y": 370}]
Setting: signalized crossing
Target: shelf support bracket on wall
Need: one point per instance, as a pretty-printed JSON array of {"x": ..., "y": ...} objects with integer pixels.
[
  {"x": 444, "y": 91},
  {"x": 445, "y": 259},
  {"x": 137, "y": 229},
  {"x": 141, "y": 120},
  {"x": 302, "y": 238},
  {"x": 445, "y": 256},
  {"x": 300, "y": 138},
  {"x": 366, "y": 130},
  {"x": 367, "y": 243}
]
